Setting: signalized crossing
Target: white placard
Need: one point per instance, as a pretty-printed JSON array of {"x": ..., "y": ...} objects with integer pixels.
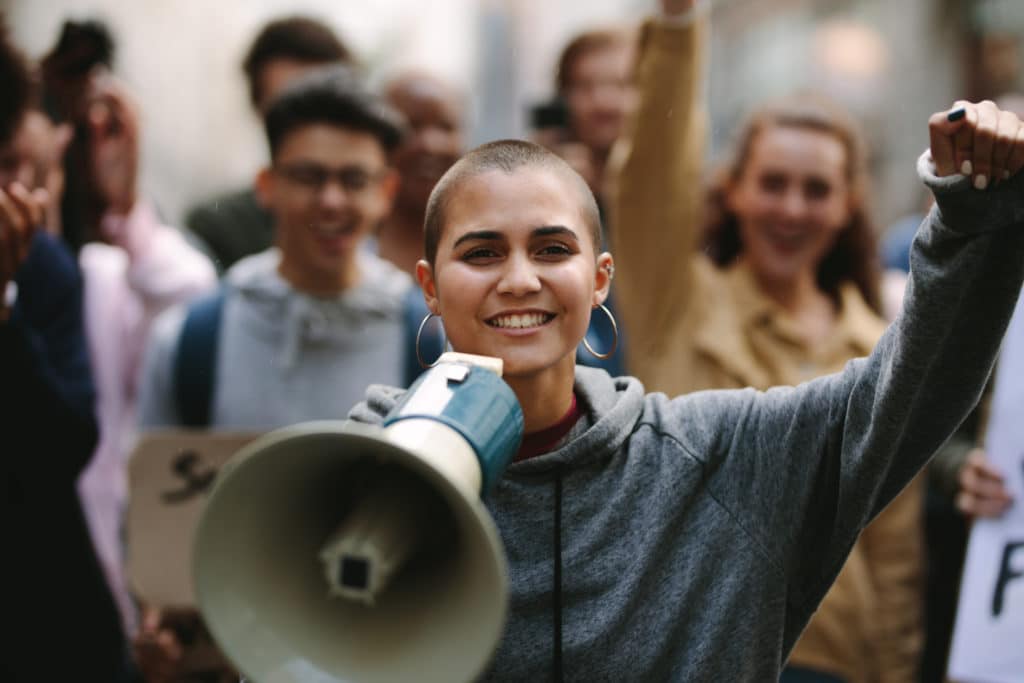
[{"x": 988, "y": 643}]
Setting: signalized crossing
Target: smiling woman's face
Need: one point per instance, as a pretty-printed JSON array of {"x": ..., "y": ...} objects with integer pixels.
[
  {"x": 515, "y": 274},
  {"x": 792, "y": 200}
]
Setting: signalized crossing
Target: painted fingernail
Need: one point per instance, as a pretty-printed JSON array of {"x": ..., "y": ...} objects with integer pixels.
[
  {"x": 956, "y": 114},
  {"x": 980, "y": 181},
  {"x": 966, "y": 167}
]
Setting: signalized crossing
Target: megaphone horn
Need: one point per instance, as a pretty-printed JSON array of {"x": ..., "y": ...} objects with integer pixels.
[{"x": 337, "y": 551}]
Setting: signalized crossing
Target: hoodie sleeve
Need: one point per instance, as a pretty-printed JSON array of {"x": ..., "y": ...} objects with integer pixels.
[
  {"x": 163, "y": 268},
  {"x": 803, "y": 470}
]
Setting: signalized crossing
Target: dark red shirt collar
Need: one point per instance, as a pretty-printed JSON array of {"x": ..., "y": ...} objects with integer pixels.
[{"x": 539, "y": 443}]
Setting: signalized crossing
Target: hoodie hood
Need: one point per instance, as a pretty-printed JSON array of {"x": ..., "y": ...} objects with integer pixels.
[
  {"x": 381, "y": 284},
  {"x": 275, "y": 309},
  {"x": 611, "y": 407}
]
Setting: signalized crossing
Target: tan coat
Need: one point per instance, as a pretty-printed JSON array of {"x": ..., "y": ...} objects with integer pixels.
[{"x": 693, "y": 326}]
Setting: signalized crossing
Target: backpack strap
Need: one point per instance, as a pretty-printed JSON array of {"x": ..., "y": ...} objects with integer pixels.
[{"x": 195, "y": 363}]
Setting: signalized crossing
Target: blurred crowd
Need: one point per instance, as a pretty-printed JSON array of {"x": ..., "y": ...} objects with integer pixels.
[{"x": 282, "y": 300}]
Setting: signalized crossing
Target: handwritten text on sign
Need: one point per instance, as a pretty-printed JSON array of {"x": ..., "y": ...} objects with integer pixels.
[{"x": 170, "y": 474}]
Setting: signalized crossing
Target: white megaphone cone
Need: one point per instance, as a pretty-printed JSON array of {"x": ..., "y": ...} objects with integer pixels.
[{"x": 336, "y": 551}]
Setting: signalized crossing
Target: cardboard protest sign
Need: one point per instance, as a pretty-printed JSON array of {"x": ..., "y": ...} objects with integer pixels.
[
  {"x": 169, "y": 477},
  {"x": 988, "y": 644}
]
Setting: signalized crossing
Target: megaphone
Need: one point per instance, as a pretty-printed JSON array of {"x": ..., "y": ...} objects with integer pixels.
[{"x": 335, "y": 551}]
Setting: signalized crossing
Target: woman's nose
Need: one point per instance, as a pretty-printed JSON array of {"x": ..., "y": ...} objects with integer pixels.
[
  {"x": 519, "y": 277},
  {"x": 794, "y": 204}
]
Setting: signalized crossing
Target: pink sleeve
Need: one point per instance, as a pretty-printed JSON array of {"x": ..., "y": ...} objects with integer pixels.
[{"x": 163, "y": 268}]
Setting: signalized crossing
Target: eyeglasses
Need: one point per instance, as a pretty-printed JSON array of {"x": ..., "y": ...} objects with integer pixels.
[{"x": 313, "y": 177}]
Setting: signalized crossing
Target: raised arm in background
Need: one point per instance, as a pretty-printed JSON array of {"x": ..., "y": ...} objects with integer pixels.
[{"x": 655, "y": 183}]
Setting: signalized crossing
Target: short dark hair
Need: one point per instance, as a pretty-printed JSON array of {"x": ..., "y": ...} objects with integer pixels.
[
  {"x": 297, "y": 38},
  {"x": 18, "y": 86},
  {"x": 335, "y": 96},
  {"x": 81, "y": 47},
  {"x": 507, "y": 156}
]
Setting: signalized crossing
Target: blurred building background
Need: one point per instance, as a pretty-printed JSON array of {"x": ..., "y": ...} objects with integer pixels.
[{"x": 892, "y": 63}]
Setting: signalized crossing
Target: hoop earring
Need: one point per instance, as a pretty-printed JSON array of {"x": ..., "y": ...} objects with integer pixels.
[
  {"x": 615, "y": 342},
  {"x": 419, "y": 333}
]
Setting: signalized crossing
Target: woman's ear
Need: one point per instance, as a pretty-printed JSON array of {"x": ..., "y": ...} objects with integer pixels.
[
  {"x": 603, "y": 278},
  {"x": 425, "y": 278}
]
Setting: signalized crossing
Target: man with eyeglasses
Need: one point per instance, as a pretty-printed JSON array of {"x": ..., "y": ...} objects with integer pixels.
[
  {"x": 234, "y": 225},
  {"x": 303, "y": 327},
  {"x": 297, "y": 332}
]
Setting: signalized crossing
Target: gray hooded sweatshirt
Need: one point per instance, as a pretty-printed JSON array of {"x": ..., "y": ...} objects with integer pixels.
[
  {"x": 691, "y": 539},
  {"x": 285, "y": 356}
]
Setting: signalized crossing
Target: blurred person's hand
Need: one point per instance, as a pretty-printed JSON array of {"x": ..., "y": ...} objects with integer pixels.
[
  {"x": 173, "y": 644},
  {"x": 21, "y": 213},
  {"x": 981, "y": 489},
  {"x": 158, "y": 651},
  {"x": 113, "y": 124},
  {"x": 673, "y": 7},
  {"x": 35, "y": 158}
]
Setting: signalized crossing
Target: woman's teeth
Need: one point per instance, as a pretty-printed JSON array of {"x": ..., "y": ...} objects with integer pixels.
[{"x": 520, "y": 320}]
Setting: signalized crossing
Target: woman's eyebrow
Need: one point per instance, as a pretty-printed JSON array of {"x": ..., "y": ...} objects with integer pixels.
[
  {"x": 479, "y": 235},
  {"x": 548, "y": 230}
]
